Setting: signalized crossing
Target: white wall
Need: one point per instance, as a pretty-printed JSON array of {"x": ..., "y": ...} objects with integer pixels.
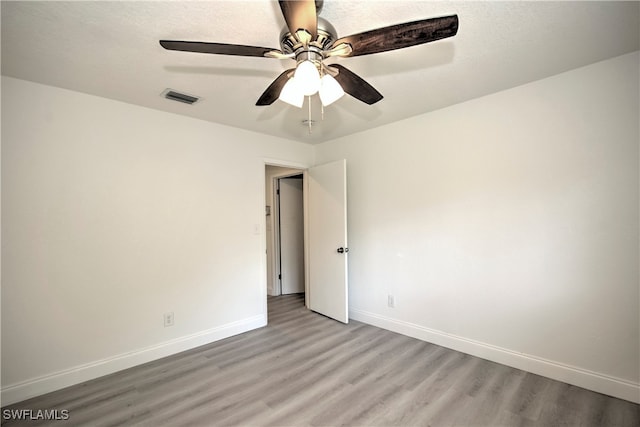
[
  {"x": 507, "y": 226},
  {"x": 114, "y": 214}
]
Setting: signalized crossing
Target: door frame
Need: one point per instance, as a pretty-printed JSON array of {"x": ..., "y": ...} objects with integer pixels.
[
  {"x": 301, "y": 169},
  {"x": 275, "y": 212}
]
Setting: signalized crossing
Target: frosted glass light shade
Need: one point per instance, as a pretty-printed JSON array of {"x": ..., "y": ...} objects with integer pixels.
[
  {"x": 291, "y": 93},
  {"x": 330, "y": 90},
  {"x": 307, "y": 77}
]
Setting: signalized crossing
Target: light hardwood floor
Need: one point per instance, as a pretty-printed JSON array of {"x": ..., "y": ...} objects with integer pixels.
[{"x": 305, "y": 369}]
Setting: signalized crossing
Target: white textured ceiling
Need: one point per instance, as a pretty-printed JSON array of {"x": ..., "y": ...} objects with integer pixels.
[{"x": 111, "y": 49}]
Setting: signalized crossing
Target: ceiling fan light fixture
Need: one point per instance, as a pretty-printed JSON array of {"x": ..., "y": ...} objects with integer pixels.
[
  {"x": 330, "y": 90},
  {"x": 310, "y": 39},
  {"x": 291, "y": 93},
  {"x": 307, "y": 77}
]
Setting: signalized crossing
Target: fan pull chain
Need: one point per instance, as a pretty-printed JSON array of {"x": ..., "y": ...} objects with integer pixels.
[
  {"x": 309, "y": 100},
  {"x": 322, "y": 73}
]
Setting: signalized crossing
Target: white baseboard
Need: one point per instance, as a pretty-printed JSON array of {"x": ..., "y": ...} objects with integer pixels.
[
  {"x": 35, "y": 387},
  {"x": 594, "y": 381}
]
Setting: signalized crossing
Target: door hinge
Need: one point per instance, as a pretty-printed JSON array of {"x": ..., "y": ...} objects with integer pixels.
[{"x": 279, "y": 276}]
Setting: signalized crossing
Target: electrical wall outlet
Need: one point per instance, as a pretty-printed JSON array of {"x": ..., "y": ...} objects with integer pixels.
[
  {"x": 391, "y": 302},
  {"x": 168, "y": 319}
]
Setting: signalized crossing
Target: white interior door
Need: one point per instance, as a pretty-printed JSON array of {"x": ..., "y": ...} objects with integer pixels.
[
  {"x": 291, "y": 235},
  {"x": 327, "y": 232}
]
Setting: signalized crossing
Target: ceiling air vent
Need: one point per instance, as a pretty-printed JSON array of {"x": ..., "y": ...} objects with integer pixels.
[{"x": 180, "y": 97}]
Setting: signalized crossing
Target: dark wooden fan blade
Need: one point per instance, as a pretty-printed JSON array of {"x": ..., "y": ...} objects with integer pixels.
[
  {"x": 215, "y": 48},
  {"x": 300, "y": 14},
  {"x": 355, "y": 86},
  {"x": 273, "y": 91},
  {"x": 401, "y": 35}
]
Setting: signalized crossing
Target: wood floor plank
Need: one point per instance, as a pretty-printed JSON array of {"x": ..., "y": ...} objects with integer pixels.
[{"x": 304, "y": 369}]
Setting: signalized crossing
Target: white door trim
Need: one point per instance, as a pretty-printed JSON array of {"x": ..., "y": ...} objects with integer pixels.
[{"x": 275, "y": 226}]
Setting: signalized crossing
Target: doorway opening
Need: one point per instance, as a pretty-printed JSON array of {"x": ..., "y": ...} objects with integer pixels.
[
  {"x": 289, "y": 234},
  {"x": 324, "y": 251},
  {"x": 284, "y": 196}
]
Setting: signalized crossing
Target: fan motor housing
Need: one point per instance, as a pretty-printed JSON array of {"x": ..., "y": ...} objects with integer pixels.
[{"x": 326, "y": 37}]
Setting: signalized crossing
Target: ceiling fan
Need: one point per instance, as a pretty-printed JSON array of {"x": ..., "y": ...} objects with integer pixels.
[{"x": 309, "y": 40}]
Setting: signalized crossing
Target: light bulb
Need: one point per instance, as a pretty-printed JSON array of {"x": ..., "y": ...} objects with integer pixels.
[
  {"x": 307, "y": 77},
  {"x": 291, "y": 93},
  {"x": 330, "y": 90}
]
